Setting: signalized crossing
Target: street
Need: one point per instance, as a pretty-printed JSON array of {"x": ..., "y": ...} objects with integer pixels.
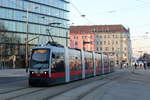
[{"x": 123, "y": 84}]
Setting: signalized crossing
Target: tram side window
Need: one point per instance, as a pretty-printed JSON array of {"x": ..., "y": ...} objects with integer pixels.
[
  {"x": 111, "y": 63},
  {"x": 98, "y": 62},
  {"x": 86, "y": 63},
  {"x": 91, "y": 63},
  {"x": 106, "y": 63},
  {"x": 57, "y": 62},
  {"x": 74, "y": 61}
]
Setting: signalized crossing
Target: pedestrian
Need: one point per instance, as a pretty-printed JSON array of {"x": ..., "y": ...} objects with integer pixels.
[
  {"x": 148, "y": 65},
  {"x": 127, "y": 65},
  {"x": 144, "y": 65},
  {"x": 121, "y": 66},
  {"x": 135, "y": 65},
  {"x": 14, "y": 61}
]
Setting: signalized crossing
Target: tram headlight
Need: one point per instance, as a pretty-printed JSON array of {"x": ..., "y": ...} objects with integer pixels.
[
  {"x": 32, "y": 72},
  {"x": 45, "y": 72}
]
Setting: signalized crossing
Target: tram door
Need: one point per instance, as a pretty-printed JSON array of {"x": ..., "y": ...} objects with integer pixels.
[
  {"x": 58, "y": 65},
  {"x": 75, "y": 65}
]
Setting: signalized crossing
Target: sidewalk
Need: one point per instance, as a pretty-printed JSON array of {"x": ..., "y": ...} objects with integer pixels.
[
  {"x": 142, "y": 71},
  {"x": 13, "y": 73}
]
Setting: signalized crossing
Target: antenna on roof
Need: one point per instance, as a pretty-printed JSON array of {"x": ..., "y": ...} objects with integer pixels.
[
  {"x": 48, "y": 31},
  {"x": 52, "y": 42}
]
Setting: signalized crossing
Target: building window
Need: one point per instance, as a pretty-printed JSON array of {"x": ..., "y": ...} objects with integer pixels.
[
  {"x": 97, "y": 48},
  {"x": 113, "y": 36},
  {"x": 100, "y": 36},
  {"x": 101, "y": 42},
  {"x": 75, "y": 37},
  {"x": 108, "y": 42},
  {"x": 106, "y": 48},
  {"x": 101, "y": 48},
  {"x": 125, "y": 54},
  {"x": 112, "y": 48},
  {"x": 97, "y": 42},
  {"x": 116, "y": 42},
  {"x": 76, "y": 43},
  {"x": 104, "y": 42}
]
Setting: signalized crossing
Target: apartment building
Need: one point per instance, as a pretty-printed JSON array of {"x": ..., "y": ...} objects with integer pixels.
[
  {"x": 109, "y": 39},
  {"x": 82, "y": 39}
]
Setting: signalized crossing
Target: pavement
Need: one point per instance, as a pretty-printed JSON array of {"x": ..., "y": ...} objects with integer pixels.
[
  {"x": 13, "y": 73},
  {"x": 142, "y": 71}
]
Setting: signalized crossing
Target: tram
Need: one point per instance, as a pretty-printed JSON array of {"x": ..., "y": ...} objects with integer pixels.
[{"x": 50, "y": 65}]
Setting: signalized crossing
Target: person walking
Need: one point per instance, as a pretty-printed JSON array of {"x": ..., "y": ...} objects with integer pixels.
[
  {"x": 144, "y": 65},
  {"x": 135, "y": 65}
]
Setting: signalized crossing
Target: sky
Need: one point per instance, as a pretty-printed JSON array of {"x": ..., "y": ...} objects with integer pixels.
[{"x": 133, "y": 14}]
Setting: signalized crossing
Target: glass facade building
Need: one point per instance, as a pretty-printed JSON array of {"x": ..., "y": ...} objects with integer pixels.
[{"x": 22, "y": 20}]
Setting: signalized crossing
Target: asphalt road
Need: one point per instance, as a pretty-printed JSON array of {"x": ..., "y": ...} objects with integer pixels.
[
  {"x": 124, "y": 84},
  {"x": 134, "y": 85},
  {"x": 5, "y": 80}
]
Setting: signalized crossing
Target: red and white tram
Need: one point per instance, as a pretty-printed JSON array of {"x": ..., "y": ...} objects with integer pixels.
[{"x": 51, "y": 65}]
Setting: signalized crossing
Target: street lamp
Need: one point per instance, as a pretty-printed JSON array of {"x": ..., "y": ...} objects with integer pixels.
[
  {"x": 54, "y": 23},
  {"x": 27, "y": 35},
  {"x": 26, "y": 43}
]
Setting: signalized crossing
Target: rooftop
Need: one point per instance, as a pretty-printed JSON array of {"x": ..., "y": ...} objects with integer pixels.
[{"x": 98, "y": 28}]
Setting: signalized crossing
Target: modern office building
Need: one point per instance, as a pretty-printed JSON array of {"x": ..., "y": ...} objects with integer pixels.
[
  {"x": 22, "y": 20},
  {"x": 110, "y": 39}
]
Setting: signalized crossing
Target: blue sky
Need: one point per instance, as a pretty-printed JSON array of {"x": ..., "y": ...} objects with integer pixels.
[{"x": 134, "y": 14}]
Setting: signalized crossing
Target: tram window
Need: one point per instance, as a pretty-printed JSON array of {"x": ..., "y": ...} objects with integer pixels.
[
  {"x": 40, "y": 55},
  {"x": 40, "y": 58},
  {"x": 74, "y": 60},
  {"x": 58, "y": 62}
]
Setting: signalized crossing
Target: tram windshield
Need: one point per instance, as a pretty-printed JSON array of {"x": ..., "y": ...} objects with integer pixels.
[{"x": 40, "y": 58}]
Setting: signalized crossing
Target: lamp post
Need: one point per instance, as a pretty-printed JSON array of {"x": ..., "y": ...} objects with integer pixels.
[
  {"x": 26, "y": 43},
  {"x": 66, "y": 39},
  {"x": 27, "y": 35}
]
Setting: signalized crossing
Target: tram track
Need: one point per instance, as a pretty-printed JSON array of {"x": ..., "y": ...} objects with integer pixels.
[
  {"x": 96, "y": 87},
  {"x": 29, "y": 91},
  {"x": 105, "y": 77},
  {"x": 9, "y": 91},
  {"x": 65, "y": 90},
  {"x": 19, "y": 92}
]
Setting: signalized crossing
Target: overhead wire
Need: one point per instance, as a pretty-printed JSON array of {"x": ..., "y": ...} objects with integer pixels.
[{"x": 80, "y": 14}]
